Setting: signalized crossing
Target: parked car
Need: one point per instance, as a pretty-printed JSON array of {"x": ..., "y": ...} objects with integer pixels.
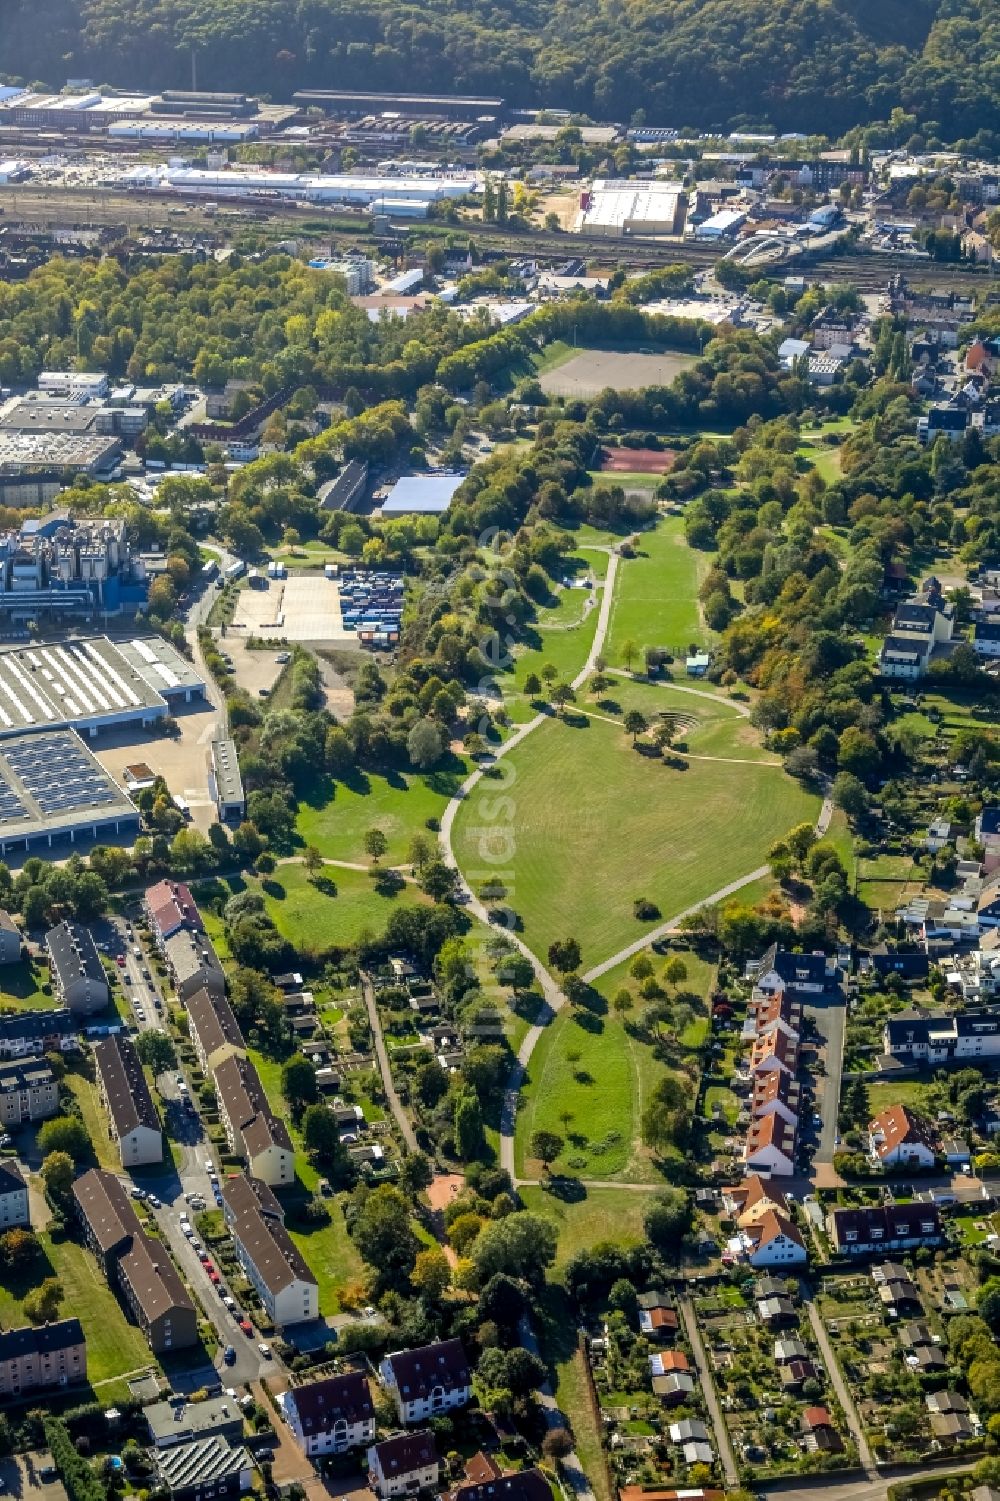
[
  {"x": 229, "y": 1355},
  {"x": 265, "y": 1350}
]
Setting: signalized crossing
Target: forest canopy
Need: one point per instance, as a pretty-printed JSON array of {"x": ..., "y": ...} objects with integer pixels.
[{"x": 822, "y": 66}]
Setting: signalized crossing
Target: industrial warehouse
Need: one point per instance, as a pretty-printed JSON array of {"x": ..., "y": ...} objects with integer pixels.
[
  {"x": 53, "y": 789},
  {"x": 408, "y": 196},
  {"x": 92, "y": 684}
]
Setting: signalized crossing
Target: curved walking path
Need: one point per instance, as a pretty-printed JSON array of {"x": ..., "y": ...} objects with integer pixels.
[{"x": 554, "y": 999}]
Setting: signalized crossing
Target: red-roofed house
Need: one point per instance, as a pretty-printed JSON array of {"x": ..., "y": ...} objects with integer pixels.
[
  {"x": 776, "y": 1093},
  {"x": 775, "y": 1241},
  {"x": 770, "y": 1147},
  {"x": 750, "y": 1200},
  {"x": 774, "y": 1050},
  {"x": 170, "y": 907},
  {"x": 897, "y": 1139}
]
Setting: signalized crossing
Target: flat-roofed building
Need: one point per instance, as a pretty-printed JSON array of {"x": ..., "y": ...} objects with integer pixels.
[
  {"x": 78, "y": 977},
  {"x": 90, "y": 683},
  {"x": 193, "y": 964},
  {"x": 28, "y": 1092},
  {"x": 207, "y": 1468},
  {"x": 214, "y": 1030},
  {"x": 267, "y": 1253},
  {"x": 52, "y": 790},
  {"x": 253, "y": 1131},
  {"x": 225, "y": 784},
  {"x": 140, "y": 1266},
  {"x": 42, "y": 1359},
  {"x": 135, "y": 1124},
  {"x": 181, "y": 1422}
]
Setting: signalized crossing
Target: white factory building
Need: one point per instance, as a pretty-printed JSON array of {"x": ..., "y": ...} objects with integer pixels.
[
  {"x": 390, "y": 194},
  {"x": 93, "y": 684},
  {"x": 621, "y": 206}
]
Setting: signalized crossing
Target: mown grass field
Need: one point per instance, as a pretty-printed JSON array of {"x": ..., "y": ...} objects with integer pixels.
[
  {"x": 586, "y": 1081},
  {"x": 717, "y": 728},
  {"x": 656, "y": 598},
  {"x": 338, "y": 815},
  {"x": 114, "y": 1346},
  {"x": 601, "y": 1214},
  {"x": 586, "y": 825},
  {"x": 312, "y": 919},
  {"x": 561, "y": 633}
]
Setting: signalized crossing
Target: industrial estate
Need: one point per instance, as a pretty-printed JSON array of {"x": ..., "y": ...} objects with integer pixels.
[{"x": 499, "y": 795}]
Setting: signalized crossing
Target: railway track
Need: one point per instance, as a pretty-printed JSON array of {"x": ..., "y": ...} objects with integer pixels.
[{"x": 95, "y": 208}]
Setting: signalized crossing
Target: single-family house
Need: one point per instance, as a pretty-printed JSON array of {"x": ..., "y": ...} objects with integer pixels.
[
  {"x": 898, "y": 1139},
  {"x": 780, "y": 970},
  {"x": 770, "y": 1147}
]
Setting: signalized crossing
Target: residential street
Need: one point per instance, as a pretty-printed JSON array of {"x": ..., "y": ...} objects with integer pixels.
[{"x": 830, "y": 1017}]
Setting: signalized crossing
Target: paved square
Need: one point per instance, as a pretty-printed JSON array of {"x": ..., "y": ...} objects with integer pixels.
[{"x": 302, "y": 607}]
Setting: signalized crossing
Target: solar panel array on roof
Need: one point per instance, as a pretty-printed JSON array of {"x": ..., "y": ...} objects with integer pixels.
[
  {"x": 59, "y": 774},
  {"x": 12, "y": 810}
]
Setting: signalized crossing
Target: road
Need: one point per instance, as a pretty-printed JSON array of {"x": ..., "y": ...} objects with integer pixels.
[
  {"x": 722, "y": 1441},
  {"x": 381, "y": 1053},
  {"x": 139, "y": 983},
  {"x": 840, "y": 1386},
  {"x": 197, "y": 616},
  {"x": 831, "y": 1020}
]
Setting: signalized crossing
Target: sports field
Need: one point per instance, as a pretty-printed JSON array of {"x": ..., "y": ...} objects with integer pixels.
[
  {"x": 584, "y": 824},
  {"x": 589, "y": 371},
  {"x": 656, "y": 595},
  {"x": 637, "y": 460}
]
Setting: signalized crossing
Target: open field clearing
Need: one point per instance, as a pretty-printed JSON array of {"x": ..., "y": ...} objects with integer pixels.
[
  {"x": 587, "y": 372},
  {"x": 584, "y": 824}
]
